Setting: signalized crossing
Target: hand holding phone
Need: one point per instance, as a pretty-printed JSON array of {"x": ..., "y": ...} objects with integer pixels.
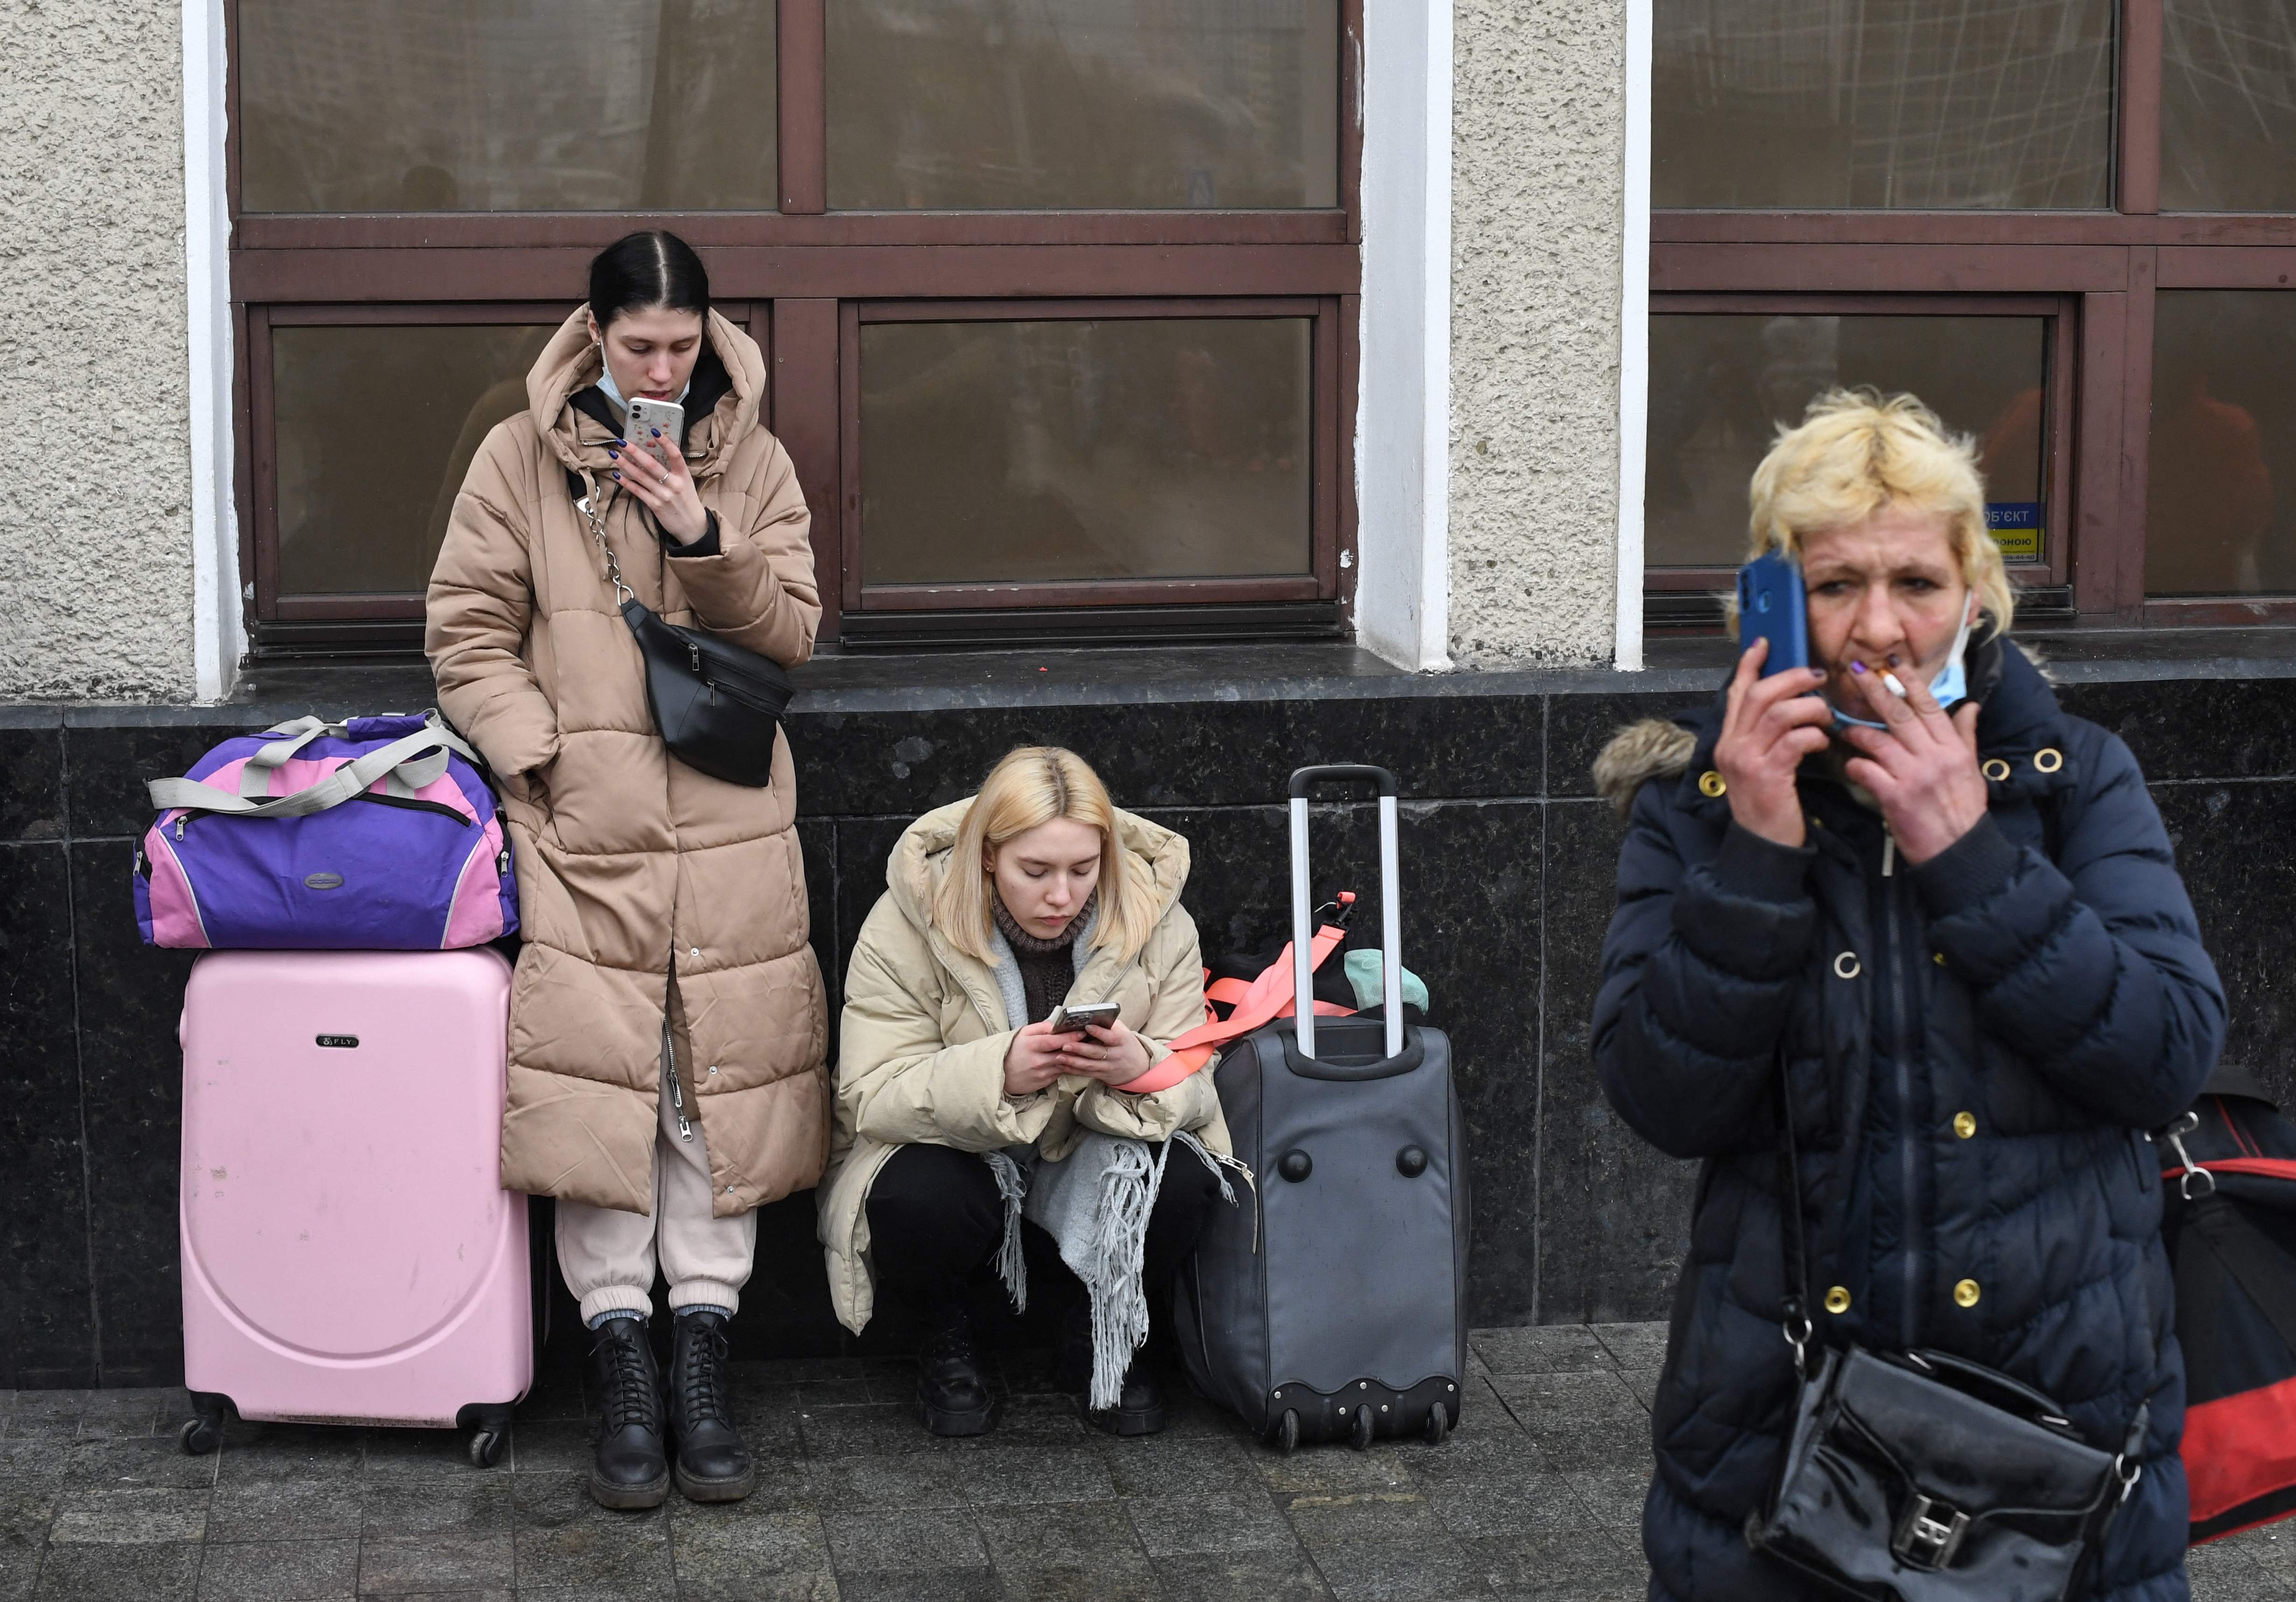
[{"x": 1773, "y": 607}]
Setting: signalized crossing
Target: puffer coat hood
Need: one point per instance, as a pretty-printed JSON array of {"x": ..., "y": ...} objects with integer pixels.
[
  {"x": 1974, "y": 1047},
  {"x": 921, "y": 1053},
  {"x": 643, "y": 886}
]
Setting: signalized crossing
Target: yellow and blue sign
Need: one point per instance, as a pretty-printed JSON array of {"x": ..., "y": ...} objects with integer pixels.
[{"x": 2016, "y": 528}]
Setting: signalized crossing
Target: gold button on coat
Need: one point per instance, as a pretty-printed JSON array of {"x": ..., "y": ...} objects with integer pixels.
[
  {"x": 1996, "y": 769},
  {"x": 1964, "y": 1124},
  {"x": 1711, "y": 783},
  {"x": 1964, "y": 1295},
  {"x": 1837, "y": 1300},
  {"x": 2049, "y": 760}
]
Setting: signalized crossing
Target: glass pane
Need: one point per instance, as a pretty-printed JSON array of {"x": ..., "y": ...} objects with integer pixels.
[
  {"x": 1027, "y": 451},
  {"x": 1721, "y": 385},
  {"x": 362, "y": 508},
  {"x": 1787, "y": 103},
  {"x": 2228, "y": 106},
  {"x": 507, "y": 106},
  {"x": 966, "y": 104},
  {"x": 2219, "y": 519}
]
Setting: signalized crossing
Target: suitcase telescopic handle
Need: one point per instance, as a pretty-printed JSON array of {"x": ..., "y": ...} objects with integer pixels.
[{"x": 1391, "y": 904}]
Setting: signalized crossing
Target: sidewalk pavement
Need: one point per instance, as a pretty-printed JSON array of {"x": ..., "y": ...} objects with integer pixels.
[{"x": 1538, "y": 1494}]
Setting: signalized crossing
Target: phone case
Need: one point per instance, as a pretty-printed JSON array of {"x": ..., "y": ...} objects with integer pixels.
[
  {"x": 1771, "y": 607},
  {"x": 646, "y": 415}
]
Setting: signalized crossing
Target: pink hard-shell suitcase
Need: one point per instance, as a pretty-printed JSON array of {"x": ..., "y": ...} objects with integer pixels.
[{"x": 349, "y": 1253}]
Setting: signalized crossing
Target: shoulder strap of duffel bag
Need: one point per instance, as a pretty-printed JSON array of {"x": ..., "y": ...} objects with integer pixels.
[{"x": 405, "y": 766}]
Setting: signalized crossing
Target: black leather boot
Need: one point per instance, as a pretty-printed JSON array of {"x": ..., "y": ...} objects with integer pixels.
[
  {"x": 712, "y": 1464},
  {"x": 628, "y": 1469},
  {"x": 1139, "y": 1411},
  {"x": 952, "y": 1392}
]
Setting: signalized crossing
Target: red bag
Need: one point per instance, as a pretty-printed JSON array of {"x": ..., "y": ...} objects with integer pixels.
[{"x": 2230, "y": 1225}]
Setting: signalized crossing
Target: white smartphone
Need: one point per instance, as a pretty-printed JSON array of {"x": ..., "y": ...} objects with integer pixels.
[
  {"x": 1076, "y": 1020},
  {"x": 645, "y": 416}
]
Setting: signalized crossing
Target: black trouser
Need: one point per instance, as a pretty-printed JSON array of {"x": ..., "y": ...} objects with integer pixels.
[{"x": 935, "y": 1217}]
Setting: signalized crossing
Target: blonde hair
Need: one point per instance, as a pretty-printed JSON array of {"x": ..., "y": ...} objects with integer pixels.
[
  {"x": 1857, "y": 453},
  {"x": 1032, "y": 785}
]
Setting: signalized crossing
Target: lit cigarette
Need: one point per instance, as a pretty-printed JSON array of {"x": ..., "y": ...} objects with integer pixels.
[{"x": 1896, "y": 689}]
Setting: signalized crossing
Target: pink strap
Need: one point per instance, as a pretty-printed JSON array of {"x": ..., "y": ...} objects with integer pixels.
[{"x": 1267, "y": 998}]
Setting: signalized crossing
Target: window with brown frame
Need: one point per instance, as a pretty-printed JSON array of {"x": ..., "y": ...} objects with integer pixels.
[
  {"x": 2069, "y": 226},
  {"x": 1058, "y": 298}
]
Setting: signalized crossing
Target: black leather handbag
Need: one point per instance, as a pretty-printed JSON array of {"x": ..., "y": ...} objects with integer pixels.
[
  {"x": 718, "y": 706},
  {"x": 1924, "y": 1477}
]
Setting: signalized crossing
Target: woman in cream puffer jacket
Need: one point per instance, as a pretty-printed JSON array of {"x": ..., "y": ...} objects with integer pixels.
[{"x": 949, "y": 1103}]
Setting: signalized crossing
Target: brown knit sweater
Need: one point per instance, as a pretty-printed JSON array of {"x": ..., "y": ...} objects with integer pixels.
[{"x": 1047, "y": 966}]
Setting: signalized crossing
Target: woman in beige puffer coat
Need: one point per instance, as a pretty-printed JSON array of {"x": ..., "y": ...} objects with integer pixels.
[
  {"x": 668, "y": 1025},
  {"x": 954, "y": 1097}
]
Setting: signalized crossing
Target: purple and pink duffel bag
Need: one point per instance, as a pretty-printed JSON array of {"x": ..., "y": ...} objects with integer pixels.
[{"x": 377, "y": 834}]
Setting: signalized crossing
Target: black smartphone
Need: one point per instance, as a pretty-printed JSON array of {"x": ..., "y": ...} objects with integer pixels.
[{"x": 1771, "y": 607}]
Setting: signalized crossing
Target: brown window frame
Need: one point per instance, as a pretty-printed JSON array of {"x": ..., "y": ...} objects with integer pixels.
[
  {"x": 799, "y": 270},
  {"x": 2104, "y": 266}
]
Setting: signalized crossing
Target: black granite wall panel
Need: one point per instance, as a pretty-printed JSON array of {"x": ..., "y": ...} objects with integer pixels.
[
  {"x": 1507, "y": 866},
  {"x": 47, "y": 1335}
]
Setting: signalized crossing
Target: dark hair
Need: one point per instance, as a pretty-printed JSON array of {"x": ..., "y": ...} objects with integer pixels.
[{"x": 640, "y": 271}]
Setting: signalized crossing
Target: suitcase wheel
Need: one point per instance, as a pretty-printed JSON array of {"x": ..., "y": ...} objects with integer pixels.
[
  {"x": 1287, "y": 1433},
  {"x": 486, "y": 1447},
  {"x": 1439, "y": 1423},
  {"x": 1360, "y": 1436},
  {"x": 199, "y": 1437}
]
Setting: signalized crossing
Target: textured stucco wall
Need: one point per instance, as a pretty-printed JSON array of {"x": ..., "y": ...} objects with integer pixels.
[
  {"x": 1538, "y": 129},
  {"x": 95, "y": 541}
]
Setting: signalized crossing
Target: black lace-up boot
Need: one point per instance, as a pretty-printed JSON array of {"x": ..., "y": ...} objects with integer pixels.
[
  {"x": 952, "y": 1392},
  {"x": 628, "y": 1469},
  {"x": 713, "y": 1466},
  {"x": 1139, "y": 1411}
]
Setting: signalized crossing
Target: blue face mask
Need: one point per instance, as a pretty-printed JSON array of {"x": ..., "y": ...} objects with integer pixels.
[{"x": 1948, "y": 688}]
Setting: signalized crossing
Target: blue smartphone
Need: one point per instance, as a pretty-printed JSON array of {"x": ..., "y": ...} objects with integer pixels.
[{"x": 1771, "y": 607}]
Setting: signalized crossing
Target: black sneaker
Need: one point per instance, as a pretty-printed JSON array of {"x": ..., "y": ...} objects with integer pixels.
[
  {"x": 628, "y": 1469},
  {"x": 952, "y": 1392},
  {"x": 1138, "y": 1412},
  {"x": 712, "y": 1464}
]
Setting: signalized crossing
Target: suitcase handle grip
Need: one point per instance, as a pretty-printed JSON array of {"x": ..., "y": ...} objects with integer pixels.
[{"x": 1341, "y": 772}]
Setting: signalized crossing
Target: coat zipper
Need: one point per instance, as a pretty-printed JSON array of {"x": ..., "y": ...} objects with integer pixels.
[
  {"x": 1908, "y": 1170},
  {"x": 677, "y": 1104}
]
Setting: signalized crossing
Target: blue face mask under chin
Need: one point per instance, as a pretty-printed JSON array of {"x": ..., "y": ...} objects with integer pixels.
[{"x": 1948, "y": 688}]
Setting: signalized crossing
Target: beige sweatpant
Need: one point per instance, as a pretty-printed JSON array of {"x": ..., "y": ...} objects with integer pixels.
[{"x": 608, "y": 1255}]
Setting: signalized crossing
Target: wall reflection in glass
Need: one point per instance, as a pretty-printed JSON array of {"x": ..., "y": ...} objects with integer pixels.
[
  {"x": 2228, "y": 106},
  {"x": 1015, "y": 104},
  {"x": 1783, "y": 103},
  {"x": 2219, "y": 517},
  {"x": 507, "y": 106},
  {"x": 1722, "y": 385},
  {"x": 375, "y": 429},
  {"x": 1102, "y": 450}
]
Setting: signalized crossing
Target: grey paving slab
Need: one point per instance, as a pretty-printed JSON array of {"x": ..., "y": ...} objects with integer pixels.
[
  {"x": 1053, "y": 1473},
  {"x": 288, "y": 1451},
  {"x": 1405, "y": 1572},
  {"x": 112, "y": 1573},
  {"x": 896, "y": 1539},
  {"x": 1633, "y": 1345},
  {"x": 976, "y": 1583},
  {"x": 149, "y": 1460},
  {"x": 1402, "y": 1517},
  {"x": 284, "y": 1571},
  {"x": 393, "y": 1565},
  {"x": 424, "y": 1454},
  {"x": 1242, "y": 1577},
  {"x": 1230, "y": 1521},
  {"x": 1541, "y": 1348},
  {"x": 894, "y": 1480},
  {"x": 428, "y": 1508},
  {"x": 285, "y": 1509},
  {"x": 141, "y": 1516},
  {"x": 1179, "y": 1465},
  {"x": 1585, "y": 1419},
  {"x": 772, "y": 1557},
  {"x": 565, "y": 1538}
]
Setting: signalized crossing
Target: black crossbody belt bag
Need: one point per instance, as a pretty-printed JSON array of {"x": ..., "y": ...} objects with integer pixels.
[
  {"x": 1924, "y": 1477},
  {"x": 717, "y": 707}
]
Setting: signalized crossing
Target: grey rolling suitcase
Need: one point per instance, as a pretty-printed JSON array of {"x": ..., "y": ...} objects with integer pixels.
[{"x": 1337, "y": 1312}]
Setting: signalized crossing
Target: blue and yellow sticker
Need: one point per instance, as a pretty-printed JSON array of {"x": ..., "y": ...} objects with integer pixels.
[{"x": 2016, "y": 527}]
